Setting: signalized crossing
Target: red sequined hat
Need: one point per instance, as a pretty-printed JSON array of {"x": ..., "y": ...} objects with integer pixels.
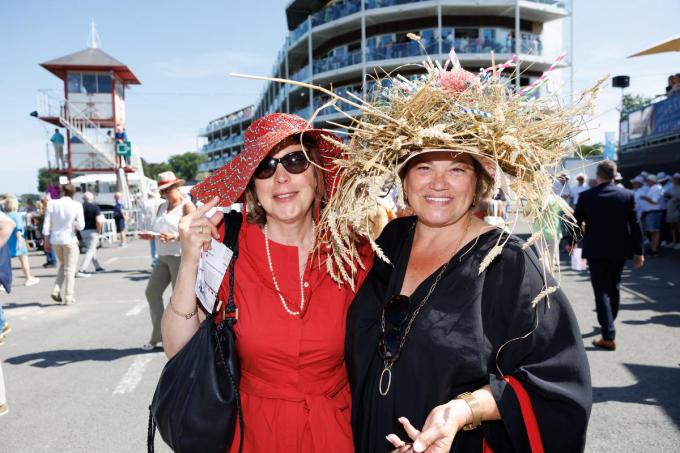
[{"x": 230, "y": 181}]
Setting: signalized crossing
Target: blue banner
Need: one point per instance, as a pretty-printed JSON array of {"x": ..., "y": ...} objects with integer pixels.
[{"x": 666, "y": 116}]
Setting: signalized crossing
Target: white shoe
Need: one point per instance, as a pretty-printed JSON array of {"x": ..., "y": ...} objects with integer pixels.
[
  {"x": 81, "y": 274},
  {"x": 32, "y": 281},
  {"x": 677, "y": 246},
  {"x": 151, "y": 346}
]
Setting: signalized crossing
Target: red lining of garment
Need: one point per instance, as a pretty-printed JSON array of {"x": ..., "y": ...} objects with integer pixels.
[{"x": 528, "y": 415}]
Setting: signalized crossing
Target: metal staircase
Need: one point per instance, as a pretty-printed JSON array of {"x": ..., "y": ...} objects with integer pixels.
[
  {"x": 100, "y": 147},
  {"x": 79, "y": 124}
]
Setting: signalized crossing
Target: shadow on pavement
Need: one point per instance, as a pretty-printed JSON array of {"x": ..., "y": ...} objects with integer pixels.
[
  {"x": 49, "y": 359},
  {"x": 669, "y": 320},
  {"x": 596, "y": 331},
  {"x": 12, "y": 305},
  {"x": 134, "y": 276},
  {"x": 655, "y": 287},
  {"x": 656, "y": 385}
]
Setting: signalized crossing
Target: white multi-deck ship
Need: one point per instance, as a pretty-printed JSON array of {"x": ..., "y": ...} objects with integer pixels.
[{"x": 342, "y": 43}]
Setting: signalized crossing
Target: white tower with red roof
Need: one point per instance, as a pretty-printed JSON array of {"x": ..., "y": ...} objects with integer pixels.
[{"x": 92, "y": 111}]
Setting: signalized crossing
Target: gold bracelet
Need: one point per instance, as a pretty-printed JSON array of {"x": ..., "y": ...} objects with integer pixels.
[
  {"x": 475, "y": 409},
  {"x": 183, "y": 315}
]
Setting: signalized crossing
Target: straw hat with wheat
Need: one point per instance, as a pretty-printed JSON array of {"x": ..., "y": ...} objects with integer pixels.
[{"x": 516, "y": 136}]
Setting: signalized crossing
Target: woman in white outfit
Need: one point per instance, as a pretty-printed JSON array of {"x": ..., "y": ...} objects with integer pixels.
[{"x": 166, "y": 234}]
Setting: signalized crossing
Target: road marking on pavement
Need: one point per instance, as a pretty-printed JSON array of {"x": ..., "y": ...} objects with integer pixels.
[
  {"x": 133, "y": 375},
  {"x": 111, "y": 260},
  {"x": 137, "y": 309}
]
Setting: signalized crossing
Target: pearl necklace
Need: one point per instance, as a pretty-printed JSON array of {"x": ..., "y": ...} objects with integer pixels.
[{"x": 276, "y": 283}]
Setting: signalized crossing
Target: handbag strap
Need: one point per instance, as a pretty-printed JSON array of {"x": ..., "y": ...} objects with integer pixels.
[
  {"x": 151, "y": 433},
  {"x": 232, "y": 227}
]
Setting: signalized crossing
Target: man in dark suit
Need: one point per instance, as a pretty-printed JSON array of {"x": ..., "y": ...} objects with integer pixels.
[{"x": 611, "y": 234}]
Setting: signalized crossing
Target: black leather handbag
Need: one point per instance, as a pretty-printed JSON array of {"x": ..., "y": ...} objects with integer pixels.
[{"x": 197, "y": 401}]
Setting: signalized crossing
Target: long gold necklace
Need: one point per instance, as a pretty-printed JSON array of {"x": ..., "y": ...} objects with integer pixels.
[{"x": 386, "y": 373}]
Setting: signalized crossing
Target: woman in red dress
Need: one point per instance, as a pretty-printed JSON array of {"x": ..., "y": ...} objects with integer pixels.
[{"x": 291, "y": 319}]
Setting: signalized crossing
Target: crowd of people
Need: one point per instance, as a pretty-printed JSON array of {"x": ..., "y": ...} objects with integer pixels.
[
  {"x": 65, "y": 228},
  {"x": 657, "y": 204}
]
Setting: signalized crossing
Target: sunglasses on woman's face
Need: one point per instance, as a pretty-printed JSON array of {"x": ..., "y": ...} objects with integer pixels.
[
  {"x": 294, "y": 163},
  {"x": 396, "y": 311}
]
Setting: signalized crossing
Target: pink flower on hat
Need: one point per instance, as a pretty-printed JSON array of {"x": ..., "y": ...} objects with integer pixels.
[{"x": 457, "y": 80}]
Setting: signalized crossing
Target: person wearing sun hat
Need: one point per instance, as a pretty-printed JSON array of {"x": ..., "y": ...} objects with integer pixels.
[
  {"x": 639, "y": 189},
  {"x": 164, "y": 231},
  {"x": 581, "y": 186},
  {"x": 458, "y": 325},
  {"x": 291, "y": 314}
]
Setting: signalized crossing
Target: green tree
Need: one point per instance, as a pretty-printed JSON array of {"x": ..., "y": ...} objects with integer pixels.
[
  {"x": 151, "y": 170},
  {"x": 45, "y": 178},
  {"x": 631, "y": 102},
  {"x": 185, "y": 165},
  {"x": 590, "y": 150}
]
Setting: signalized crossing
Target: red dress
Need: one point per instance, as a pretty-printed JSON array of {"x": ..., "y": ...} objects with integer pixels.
[{"x": 294, "y": 388}]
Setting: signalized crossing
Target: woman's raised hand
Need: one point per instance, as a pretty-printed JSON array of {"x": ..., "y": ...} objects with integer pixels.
[
  {"x": 437, "y": 434},
  {"x": 196, "y": 230}
]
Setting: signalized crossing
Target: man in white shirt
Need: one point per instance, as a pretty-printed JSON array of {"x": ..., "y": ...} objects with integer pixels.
[
  {"x": 652, "y": 213},
  {"x": 62, "y": 218},
  {"x": 581, "y": 186}
]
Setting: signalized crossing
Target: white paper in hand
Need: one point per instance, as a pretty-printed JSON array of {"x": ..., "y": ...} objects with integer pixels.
[{"x": 211, "y": 269}]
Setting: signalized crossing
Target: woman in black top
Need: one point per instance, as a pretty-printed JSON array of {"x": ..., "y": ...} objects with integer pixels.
[{"x": 470, "y": 319}]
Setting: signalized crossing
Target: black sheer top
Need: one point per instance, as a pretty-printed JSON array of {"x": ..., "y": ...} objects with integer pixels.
[{"x": 453, "y": 344}]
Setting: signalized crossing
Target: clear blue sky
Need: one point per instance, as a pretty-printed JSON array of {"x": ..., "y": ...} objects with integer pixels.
[{"x": 183, "y": 50}]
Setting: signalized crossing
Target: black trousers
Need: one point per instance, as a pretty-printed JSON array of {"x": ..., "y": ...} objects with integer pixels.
[{"x": 605, "y": 276}]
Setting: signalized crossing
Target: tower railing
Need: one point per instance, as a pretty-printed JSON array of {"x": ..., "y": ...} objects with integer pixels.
[{"x": 78, "y": 123}]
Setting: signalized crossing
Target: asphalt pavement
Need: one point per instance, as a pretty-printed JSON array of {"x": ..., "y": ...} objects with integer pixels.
[{"x": 77, "y": 380}]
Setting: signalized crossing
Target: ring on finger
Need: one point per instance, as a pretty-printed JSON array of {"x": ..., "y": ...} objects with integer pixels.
[{"x": 200, "y": 229}]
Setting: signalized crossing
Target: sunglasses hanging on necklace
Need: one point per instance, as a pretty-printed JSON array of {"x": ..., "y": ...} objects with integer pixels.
[{"x": 394, "y": 313}]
